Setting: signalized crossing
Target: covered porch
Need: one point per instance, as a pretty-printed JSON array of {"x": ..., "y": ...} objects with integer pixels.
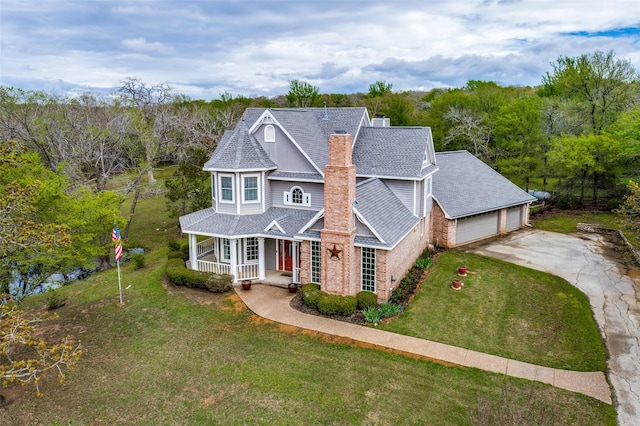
[{"x": 270, "y": 260}]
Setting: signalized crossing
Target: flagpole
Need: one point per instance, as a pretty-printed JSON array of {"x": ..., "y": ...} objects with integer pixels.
[{"x": 119, "y": 282}]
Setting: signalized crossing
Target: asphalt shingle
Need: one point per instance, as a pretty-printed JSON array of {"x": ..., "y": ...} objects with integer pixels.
[{"x": 465, "y": 186}]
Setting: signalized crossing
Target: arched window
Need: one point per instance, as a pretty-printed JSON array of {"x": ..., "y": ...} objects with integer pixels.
[
  {"x": 269, "y": 133},
  {"x": 297, "y": 197}
]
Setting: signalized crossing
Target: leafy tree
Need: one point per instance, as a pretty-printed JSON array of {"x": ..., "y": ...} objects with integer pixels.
[
  {"x": 586, "y": 156},
  {"x": 24, "y": 356},
  {"x": 520, "y": 140},
  {"x": 302, "y": 94},
  {"x": 379, "y": 88},
  {"x": 187, "y": 187},
  {"x": 631, "y": 207},
  {"x": 27, "y": 241},
  {"x": 602, "y": 86},
  {"x": 44, "y": 227},
  {"x": 399, "y": 108}
]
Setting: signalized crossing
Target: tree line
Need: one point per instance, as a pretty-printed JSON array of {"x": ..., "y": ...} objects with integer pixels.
[{"x": 576, "y": 133}]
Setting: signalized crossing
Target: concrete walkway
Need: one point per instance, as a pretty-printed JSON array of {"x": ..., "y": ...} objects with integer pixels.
[
  {"x": 614, "y": 293},
  {"x": 272, "y": 303}
]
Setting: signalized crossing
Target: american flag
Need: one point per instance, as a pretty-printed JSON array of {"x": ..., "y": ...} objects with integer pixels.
[{"x": 115, "y": 236}]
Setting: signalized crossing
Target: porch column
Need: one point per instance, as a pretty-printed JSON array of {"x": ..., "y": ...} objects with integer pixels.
[
  {"x": 295, "y": 260},
  {"x": 233, "y": 243},
  {"x": 193, "y": 251},
  {"x": 261, "y": 258}
]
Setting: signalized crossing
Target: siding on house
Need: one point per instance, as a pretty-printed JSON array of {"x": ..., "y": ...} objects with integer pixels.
[
  {"x": 404, "y": 190},
  {"x": 284, "y": 153},
  {"x": 316, "y": 190}
]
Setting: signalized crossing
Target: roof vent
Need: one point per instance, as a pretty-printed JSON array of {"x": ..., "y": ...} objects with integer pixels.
[
  {"x": 340, "y": 132},
  {"x": 325, "y": 117}
]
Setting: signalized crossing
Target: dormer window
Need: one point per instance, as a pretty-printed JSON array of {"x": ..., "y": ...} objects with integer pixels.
[
  {"x": 269, "y": 133},
  {"x": 297, "y": 197}
]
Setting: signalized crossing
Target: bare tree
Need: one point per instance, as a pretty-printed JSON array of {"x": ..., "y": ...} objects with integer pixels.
[
  {"x": 151, "y": 123},
  {"x": 468, "y": 127}
]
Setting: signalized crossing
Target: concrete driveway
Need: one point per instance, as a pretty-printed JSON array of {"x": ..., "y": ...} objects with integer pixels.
[{"x": 586, "y": 261}]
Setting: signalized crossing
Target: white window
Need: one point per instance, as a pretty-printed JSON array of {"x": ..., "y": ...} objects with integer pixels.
[
  {"x": 297, "y": 197},
  {"x": 368, "y": 269},
  {"x": 269, "y": 133},
  {"x": 226, "y": 250},
  {"x": 315, "y": 262},
  {"x": 226, "y": 188},
  {"x": 251, "y": 250},
  {"x": 250, "y": 192}
]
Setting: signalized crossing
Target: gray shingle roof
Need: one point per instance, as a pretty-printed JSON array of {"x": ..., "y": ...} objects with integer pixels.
[
  {"x": 391, "y": 151},
  {"x": 239, "y": 150},
  {"x": 308, "y": 129},
  {"x": 384, "y": 212},
  {"x": 208, "y": 222},
  {"x": 296, "y": 176},
  {"x": 465, "y": 186}
]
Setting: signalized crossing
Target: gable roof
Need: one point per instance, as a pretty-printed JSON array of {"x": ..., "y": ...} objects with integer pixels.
[
  {"x": 393, "y": 152},
  {"x": 383, "y": 212},
  {"x": 310, "y": 131},
  {"x": 239, "y": 150},
  {"x": 465, "y": 186}
]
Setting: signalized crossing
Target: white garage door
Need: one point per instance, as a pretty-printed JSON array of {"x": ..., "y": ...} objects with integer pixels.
[
  {"x": 477, "y": 227},
  {"x": 514, "y": 218}
]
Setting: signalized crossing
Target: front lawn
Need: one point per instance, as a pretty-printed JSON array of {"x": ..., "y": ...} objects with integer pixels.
[
  {"x": 186, "y": 357},
  {"x": 506, "y": 310}
]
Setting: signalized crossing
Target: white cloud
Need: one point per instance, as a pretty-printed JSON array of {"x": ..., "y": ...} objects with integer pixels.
[
  {"x": 141, "y": 45},
  {"x": 254, "y": 47}
]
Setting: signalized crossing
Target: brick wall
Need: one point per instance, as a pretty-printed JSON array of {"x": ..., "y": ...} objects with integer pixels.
[
  {"x": 337, "y": 237},
  {"x": 401, "y": 259},
  {"x": 444, "y": 230}
]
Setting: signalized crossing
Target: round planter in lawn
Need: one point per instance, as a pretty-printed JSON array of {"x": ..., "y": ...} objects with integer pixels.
[{"x": 246, "y": 284}]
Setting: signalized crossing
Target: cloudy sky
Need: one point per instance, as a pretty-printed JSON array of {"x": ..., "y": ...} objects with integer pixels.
[{"x": 203, "y": 48}]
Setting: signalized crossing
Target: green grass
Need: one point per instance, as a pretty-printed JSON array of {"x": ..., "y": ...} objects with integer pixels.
[
  {"x": 505, "y": 310},
  {"x": 565, "y": 222},
  {"x": 186, "y": 357}
]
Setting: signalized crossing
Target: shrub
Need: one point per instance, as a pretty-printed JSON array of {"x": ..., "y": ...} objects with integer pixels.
[
  {"x": 407, "y": 287},
  {"x": 372, "y": 315},
  {"x": 185, "y": 251},
  {"x": 310, "y": 295},
  {"x": 138, "y": 260},
  {"x": 175, "y": 255},
  {"x": 54, "y": 300},
  {"x": 568, "y": 202},
  {"x": 423, "y": 263},
  {"x": 173, "y": 245},
  {"x": 366, "y": 299},
  {"x": 333, "y": 304},
  {"x": 183, "y": 277},
  {"x": 388, "y": 310}
]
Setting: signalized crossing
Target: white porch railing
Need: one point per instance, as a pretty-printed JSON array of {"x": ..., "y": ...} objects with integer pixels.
[
  {"x": 248, "y": 271},
  {"x": 297, "y": 276},
  {"x": 213, "y": 267},
  {"x": 206, "y": 246}
]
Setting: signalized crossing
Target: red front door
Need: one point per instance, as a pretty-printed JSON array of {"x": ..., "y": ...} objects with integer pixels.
[{"x": 285, "y": 258}]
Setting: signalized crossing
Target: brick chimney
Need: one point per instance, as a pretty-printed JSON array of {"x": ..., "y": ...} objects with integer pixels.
[{"x": 337, "y": 238}]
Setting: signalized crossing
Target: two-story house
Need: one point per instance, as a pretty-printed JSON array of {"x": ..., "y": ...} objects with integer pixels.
[{"x": 327, "y": 195}]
